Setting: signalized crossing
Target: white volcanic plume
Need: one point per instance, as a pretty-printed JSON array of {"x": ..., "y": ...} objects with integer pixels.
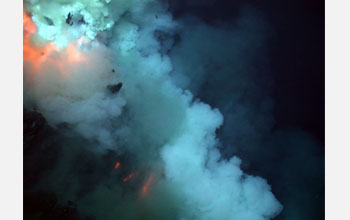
[{"x": 75, "y": 50}]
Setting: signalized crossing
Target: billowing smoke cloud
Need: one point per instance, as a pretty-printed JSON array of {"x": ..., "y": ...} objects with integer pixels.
[{"x": 75, "y": 62}]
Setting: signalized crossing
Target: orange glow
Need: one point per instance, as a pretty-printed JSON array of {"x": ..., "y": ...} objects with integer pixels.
[
  {"x": 147, "y": 185},
  {"x": 73, "y": 53},
  {"x": 117, "y": 165},
  {"x": 28, "y": 24},
  {"x": 36, "y": 55},
  {"x": 129, "y": 177},
  {"x": 32, "y": 54}
]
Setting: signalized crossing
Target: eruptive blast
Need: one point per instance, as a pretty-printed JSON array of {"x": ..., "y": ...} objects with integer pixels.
[{"x": 74, "y": 53}]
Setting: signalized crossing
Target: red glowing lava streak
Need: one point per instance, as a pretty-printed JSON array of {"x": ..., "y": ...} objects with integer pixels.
[
  {"x": 147, "y": 185},
  {"x": 129, "y": 177},
  {"x": 117, "y": 165}
]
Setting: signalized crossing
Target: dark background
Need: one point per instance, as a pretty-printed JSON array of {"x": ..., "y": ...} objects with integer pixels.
[{"x": 297, "y": 54}]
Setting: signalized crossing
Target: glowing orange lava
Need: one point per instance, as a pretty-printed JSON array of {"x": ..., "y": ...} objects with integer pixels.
[
  {"x": 129, "y": 177},
  {"x": 117, "y": 165},
  {"x": 147, "y": 185}
]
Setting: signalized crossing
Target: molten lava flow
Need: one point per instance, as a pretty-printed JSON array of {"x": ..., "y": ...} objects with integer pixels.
[
  {"x": 129, "y": 177},
  {"x": 147, "y": 185},
  {"x": 117, "y": 165}
]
